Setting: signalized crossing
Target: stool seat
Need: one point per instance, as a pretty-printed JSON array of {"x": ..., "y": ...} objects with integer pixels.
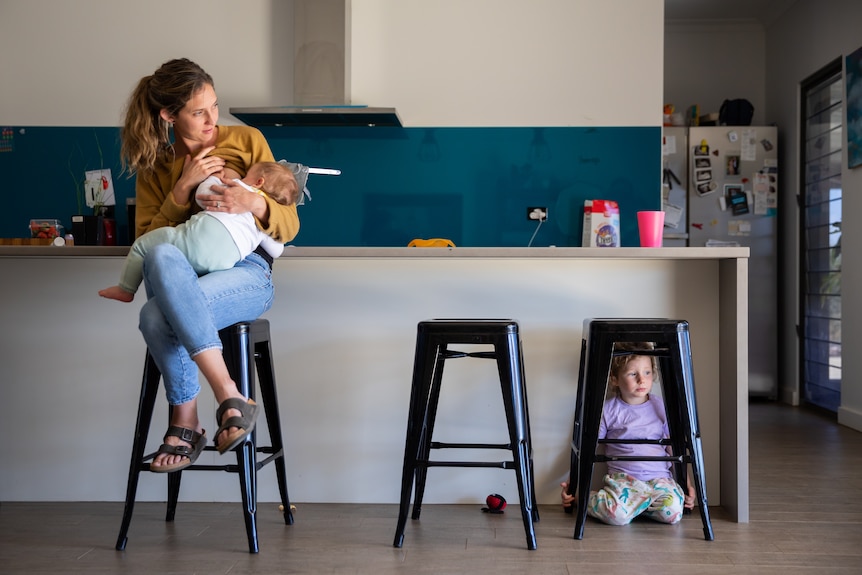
[
  {"x": 432, "y": 351},
  {"x": 672, "y": 348},
  {"x": 246, "y": 349}
]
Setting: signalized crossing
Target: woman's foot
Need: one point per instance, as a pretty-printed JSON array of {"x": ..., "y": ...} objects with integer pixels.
[
  {"x": 185, "y": 453},
  {"x": 183, "y": 416},
  {"x": 236, "y": 417},
  {"x": 117, "y": 293}
]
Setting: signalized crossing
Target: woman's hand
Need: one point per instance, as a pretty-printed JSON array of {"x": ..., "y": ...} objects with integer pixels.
[
  {"x": 232, "y": 198},
  {"x": 196, "y": 169}
]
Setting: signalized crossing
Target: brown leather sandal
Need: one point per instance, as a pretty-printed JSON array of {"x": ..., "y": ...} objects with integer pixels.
[
  {"x": 191, "y": 452},
  {"x": 244, "y": 422}
]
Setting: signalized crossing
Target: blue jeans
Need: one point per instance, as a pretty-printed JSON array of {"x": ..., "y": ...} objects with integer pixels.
[{"x": 184, "y": 312}]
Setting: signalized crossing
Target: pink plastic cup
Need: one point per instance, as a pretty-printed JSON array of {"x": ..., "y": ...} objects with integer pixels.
[{"x": 650, "y": 228}]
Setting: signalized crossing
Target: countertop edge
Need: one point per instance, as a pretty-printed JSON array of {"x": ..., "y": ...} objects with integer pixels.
[{"x": 693, "y": 253}]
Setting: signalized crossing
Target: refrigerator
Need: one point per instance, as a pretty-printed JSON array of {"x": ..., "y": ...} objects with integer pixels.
[
  {"x": 732, "y": 199},
  {"x": 674, "y": 184}
]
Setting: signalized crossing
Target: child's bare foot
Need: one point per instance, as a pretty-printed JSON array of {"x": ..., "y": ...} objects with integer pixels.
[{"x": 117, "y": 293}]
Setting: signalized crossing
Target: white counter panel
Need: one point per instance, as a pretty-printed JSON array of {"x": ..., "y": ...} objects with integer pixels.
[{"x": 343, "y": 340}]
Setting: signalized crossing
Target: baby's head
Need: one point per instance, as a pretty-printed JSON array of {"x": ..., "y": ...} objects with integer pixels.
[
  {"x": 632, "y": 375},
  {"x": 276, "y": 180}
]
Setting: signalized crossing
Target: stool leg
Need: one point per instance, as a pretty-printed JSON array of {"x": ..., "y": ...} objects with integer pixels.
[
  {"x": 149, "y": 389},
  {"x": 428, "y": 427},
  {"x": 173, "y": 494},
  {"x": 600, "y": 349},
  {"x": 576, "y": 427},
  {"x": 671, "y": 382},
  {"x": 174, "y": 480},
  {"x": 416, "y": 418},
  {"x": 688, "y": 404},
  {"x": 246, "y": 462},
  {"x": 527, "y": 429},
  {"x": 269, "y": 396},
  {"x": 239, "y": 359},
  {"x": 514, "y": 400}
]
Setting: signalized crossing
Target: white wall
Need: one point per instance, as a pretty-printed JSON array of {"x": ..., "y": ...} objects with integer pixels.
[
  {"x": 706, "y": 63},
  {"x": 806, "y": 38},
  {"x": 75, "y": 63},
  {"x": 441, "y": 63},
  {"x": 510, "y": 62}
]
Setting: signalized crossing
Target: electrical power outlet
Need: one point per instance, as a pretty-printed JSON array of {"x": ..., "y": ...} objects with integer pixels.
[{"x": 537, "y": 214}]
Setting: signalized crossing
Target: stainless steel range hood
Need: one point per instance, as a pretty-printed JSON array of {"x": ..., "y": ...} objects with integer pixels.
[{"x": 317, "y": 116}]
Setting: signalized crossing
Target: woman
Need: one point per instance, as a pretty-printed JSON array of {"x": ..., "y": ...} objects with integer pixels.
[{"x": 184, "y": 312}]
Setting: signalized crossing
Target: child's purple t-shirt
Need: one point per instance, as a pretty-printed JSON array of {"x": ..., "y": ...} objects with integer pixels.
[{"x": 645, "y": 421}]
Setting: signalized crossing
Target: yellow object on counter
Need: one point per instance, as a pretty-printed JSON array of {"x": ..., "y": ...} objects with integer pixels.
[{"x": 432, "y": 243}]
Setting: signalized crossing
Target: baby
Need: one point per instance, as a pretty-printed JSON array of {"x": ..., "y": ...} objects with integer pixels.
[{"x": 213, "y": 240}]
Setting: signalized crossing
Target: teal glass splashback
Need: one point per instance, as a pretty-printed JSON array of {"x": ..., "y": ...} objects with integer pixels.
[{"x": 470, "y": 185}]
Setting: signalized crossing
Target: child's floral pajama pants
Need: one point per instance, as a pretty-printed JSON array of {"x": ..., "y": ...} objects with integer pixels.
[{"x": 623, "y": 498}]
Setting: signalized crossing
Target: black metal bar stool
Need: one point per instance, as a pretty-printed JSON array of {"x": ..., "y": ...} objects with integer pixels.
[
  {"x": 432, "y": 350},
  {"x": 246, "y": 347},
  {"x": 673, "y": 349}
]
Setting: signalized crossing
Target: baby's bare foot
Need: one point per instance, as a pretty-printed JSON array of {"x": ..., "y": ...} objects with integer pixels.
[{"x": 117, "y": 293}]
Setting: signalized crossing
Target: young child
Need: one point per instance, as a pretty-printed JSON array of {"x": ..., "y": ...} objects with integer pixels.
[
  {"x": 213, "y": 240},
  {"x": 633, "y": 488}
]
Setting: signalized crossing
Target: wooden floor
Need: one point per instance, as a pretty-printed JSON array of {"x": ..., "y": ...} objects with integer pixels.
[{"x": 806, "y": 518}]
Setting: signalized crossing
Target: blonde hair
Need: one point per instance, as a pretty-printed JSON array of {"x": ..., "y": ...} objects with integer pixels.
[
  {"x": 145, "y": 136},
  {"x": 619, "y": 362},
  {"x": 279, "y": 182}
]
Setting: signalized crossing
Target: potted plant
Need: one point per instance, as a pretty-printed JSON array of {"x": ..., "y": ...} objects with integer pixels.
[{"x": 94, "y": 191}]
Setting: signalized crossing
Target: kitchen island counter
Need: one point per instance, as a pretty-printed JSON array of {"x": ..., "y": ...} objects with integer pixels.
[
  {"x": 381, "y": 252},
  {"x": 344, "y": 326}
]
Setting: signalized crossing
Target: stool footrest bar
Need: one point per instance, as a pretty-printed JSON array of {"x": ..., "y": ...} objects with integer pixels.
[
  {"x": 677, "y": 459},
  {"x": 442, "y": 445},
  {"x": 495, "y": 464}
]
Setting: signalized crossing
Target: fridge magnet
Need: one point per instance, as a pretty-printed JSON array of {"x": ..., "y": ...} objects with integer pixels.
[
  {"x": 772, "y": 191},
  {"x": 732, "y": 163},
  {"x": 702, "y": 175},
  {"x": 672, "y": 215},
  {"x": 702, "y": 149},
  {"x": 702, "y": 163},
  {"x": 668, "y": 145},
  {"x": 706, "y": 188},
  {"x": 760, "y": 204},
  {"x": 748, "y": 143},
  {"x": 737, "y": 199},
  {"x": 738, "y": 228},
  {"x": 853, "y": 83},
  {"x": 767, "y": 145},
  {"x": 765, "y": 190}
]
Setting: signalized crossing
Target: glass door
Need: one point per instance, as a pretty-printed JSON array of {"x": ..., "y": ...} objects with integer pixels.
[{"x": 823, "y": 139}]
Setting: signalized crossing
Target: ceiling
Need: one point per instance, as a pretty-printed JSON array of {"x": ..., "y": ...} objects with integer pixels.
[{"x": 764, "y": 11}]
